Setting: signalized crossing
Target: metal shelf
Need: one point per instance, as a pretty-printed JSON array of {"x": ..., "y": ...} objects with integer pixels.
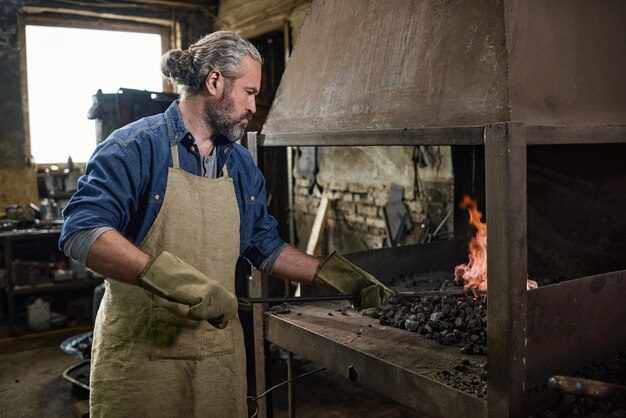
[{"x": 50, "y": 237}]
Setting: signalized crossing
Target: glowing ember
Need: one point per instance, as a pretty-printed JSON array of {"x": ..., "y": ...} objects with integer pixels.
[{"x": 474, "y": 272}]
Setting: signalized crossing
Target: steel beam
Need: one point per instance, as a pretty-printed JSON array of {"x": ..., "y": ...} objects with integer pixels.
[
  {"x": 505, "y": 156},
  {"x": 465, "y": 135},
  {"x": 259, "y": 288}
]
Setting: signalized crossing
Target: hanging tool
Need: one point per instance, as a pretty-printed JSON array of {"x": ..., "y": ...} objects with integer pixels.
[{"x": 245, "y": 304}]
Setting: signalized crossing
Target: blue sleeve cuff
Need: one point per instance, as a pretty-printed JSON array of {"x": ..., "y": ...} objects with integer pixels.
[
  {"x": 264, "y": 250},
  {"x": 268, "y": 265}
]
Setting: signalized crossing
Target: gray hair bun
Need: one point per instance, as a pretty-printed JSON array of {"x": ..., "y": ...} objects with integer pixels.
[{"x": 178, "y": 66}]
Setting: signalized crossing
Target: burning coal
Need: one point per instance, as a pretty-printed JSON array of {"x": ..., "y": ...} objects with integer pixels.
[{"x": 474, "y": 273}]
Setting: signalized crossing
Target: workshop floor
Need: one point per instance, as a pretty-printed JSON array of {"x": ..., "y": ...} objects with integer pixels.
[
  {"x": 30, "y": 381},
  {"x": 31, "y": 384}
]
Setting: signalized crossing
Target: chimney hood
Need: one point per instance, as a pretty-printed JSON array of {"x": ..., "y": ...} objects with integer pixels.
[{"x": 367, "y": 68}]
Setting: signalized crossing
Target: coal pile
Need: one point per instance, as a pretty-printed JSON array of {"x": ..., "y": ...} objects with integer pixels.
[
  {"x": 454, "y": 320},
  {"x": 467, "y": 376}
]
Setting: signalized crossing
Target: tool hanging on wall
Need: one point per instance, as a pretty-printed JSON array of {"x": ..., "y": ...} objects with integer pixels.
[
  {"x": 306, "y": 165},
  {"x": 397, "y": 218}
]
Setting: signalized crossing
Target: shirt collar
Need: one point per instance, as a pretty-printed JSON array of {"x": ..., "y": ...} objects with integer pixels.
[{"x": 176, "y": 127}]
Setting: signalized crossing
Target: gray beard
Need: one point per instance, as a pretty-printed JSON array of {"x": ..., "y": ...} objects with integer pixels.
[{"x": 218, "y": 120}]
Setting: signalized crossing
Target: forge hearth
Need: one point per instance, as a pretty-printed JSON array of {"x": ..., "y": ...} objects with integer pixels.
[{"x": 531, "y": 97}]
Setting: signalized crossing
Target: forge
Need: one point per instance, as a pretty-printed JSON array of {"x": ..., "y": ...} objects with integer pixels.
[{"x": 531, "y": 97}]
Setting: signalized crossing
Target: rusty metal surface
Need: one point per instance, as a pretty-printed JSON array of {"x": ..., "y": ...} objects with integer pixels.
[
  {"x": 362, "y": 65},
  {"x": 393, "y": 362},
  {"x": 567, "y": 61},
  {"x": 574, "y": 322},
  {"x": 368, "y": 64},
  {"x": 465, "y": 135},
  {"x": 543, "y": 135},
  {"x": 387, "y": 263}
]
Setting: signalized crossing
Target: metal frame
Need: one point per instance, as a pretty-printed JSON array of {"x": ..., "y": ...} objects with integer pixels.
[{"x": 517, "y": 339}]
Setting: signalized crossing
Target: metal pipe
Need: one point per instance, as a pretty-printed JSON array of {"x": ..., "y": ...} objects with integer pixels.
[
  {"x": 290, "y": 387},
  {"x": 67, "y": 376}
]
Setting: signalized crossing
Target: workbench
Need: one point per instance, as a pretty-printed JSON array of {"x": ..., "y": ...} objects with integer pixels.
[{"x": 360, "y": 349}]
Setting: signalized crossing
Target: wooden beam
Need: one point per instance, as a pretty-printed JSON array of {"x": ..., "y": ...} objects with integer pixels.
[
  {"x": 318, "y": 224},
  {"x": 57, "y": 12}
]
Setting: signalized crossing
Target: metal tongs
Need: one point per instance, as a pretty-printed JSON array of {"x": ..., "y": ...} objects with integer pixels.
[{"x": 245, "y": 304}]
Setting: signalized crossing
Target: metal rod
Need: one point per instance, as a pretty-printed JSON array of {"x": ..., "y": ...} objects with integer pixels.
[
  {"x": 290, "y": 386},
  {"x": 442, "y": 223},
  {"x": 246, "y": 301},
  {"x": 67, "y": 376}
]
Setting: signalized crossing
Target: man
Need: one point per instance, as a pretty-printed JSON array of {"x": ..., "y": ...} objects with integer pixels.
[{"x": 166, "y": 206}]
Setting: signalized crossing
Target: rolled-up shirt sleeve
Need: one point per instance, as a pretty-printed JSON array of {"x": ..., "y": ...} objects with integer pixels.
[
  {"x": 267, "y": 266},
  {"x": 108, "y": 193},
  {"x": 265, "y": 242},
  {"x": 77, "y": 246}
]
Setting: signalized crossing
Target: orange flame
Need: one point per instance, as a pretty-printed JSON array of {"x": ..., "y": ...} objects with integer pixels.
[{"x": 474, "y": 272}]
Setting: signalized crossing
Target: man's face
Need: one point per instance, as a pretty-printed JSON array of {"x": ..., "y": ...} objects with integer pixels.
[{"x": 230, "y": 115}]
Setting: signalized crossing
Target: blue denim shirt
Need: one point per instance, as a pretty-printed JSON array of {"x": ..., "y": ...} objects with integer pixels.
[{"x": 125, "y": 179}]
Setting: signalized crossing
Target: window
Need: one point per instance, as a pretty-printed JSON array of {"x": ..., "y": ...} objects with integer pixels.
[{"x": 66, "y": 67}]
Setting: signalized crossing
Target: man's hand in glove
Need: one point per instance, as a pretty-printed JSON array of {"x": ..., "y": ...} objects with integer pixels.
[
  {"x": 338, "y": 275},
  {"x": 171, "y": 278}
]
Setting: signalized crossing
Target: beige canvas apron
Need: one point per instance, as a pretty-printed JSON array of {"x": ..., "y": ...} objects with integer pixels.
[{"x": 149, "y": 362}]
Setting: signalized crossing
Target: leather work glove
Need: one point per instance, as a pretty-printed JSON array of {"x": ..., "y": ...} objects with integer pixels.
[
  {"x": 173, "y": 279},
  {"x": 338, "y": 275}
]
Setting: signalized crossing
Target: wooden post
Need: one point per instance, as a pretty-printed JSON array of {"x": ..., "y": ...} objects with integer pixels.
[{"x": 318, "y": 225}]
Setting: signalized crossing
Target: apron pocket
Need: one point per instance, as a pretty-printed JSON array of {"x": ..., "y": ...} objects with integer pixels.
[{"x": 176, "y": 337}]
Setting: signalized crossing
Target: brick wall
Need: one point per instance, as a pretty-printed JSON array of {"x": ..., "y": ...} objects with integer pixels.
[{"x": 357, "y": 182}]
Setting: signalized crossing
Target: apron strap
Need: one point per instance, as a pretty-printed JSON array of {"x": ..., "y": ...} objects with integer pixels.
[{"x": 175, "y": 161}]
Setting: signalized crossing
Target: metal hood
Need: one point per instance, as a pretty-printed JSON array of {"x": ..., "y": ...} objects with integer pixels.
[{"x": 369, "y": 67}]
